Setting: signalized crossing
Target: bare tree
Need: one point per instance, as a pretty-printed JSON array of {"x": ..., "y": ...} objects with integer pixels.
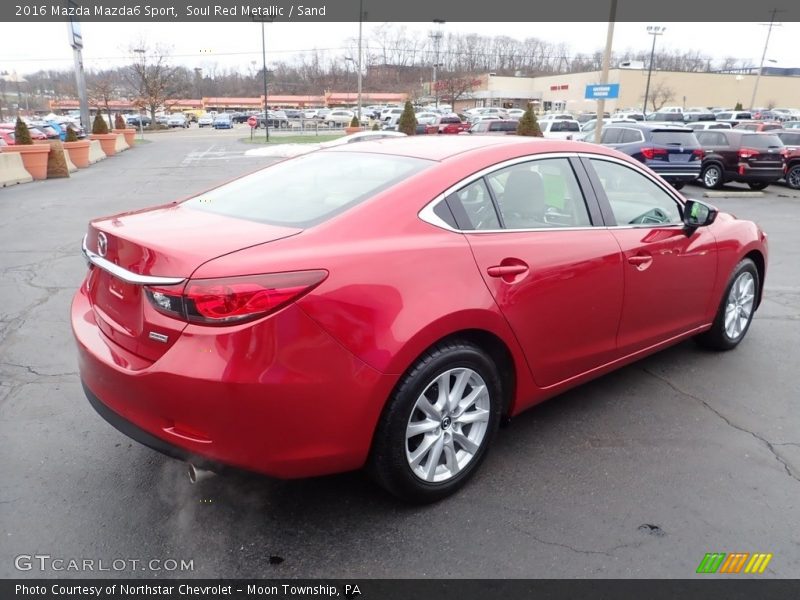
[
  {"x": 102, "y": 89},
  {"x": 660, "y": 94},
  {"x": 151, "y": 75},
  {"x": 456, "y": 85}
]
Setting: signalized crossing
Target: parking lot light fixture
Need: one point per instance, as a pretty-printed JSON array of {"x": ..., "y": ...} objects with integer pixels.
[{"x": 655, "y": 31}]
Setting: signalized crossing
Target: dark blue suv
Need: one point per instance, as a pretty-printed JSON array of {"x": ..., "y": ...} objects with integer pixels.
[{"x": 672, "y": 151}]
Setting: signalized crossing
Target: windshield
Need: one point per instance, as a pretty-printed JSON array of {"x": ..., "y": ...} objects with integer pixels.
[{"x": 308, "y": 190}]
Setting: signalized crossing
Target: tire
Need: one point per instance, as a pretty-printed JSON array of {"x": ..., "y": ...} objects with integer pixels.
[
  {"x": 793, "y": 177},
  {"x": 678, "y": 184},
  {"x": 758, "y": 185},
  {"x": 404, "y": 465},
  {"x": 737, "y": 308},
  {"x": 711, "y": 177}
]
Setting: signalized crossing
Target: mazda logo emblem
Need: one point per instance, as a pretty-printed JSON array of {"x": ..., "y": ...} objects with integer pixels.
[{"x": 102, "y": 244}]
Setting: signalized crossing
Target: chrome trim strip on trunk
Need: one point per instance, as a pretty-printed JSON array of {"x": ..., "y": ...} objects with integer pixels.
[{"x": 124, "y": 274}]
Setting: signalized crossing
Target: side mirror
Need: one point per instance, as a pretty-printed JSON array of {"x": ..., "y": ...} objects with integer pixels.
[{"x": 698, "y": 214}]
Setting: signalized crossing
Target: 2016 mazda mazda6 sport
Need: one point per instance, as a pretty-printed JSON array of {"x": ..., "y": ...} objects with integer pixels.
[{"x": 385, "y": 304}]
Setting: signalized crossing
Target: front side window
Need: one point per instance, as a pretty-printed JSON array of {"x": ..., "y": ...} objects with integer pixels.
[
  {"x": 634, "y": 198},
  {"x": 539, "y": 194}
]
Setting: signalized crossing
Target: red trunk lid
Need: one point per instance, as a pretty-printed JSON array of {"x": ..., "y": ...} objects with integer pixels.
[{"x": 169, "y": 241}]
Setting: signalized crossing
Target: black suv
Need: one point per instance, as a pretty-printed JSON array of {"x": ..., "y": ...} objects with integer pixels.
[{"x": 739, "y": 155}]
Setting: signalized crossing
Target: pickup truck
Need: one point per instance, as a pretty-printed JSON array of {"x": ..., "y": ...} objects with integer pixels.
[{"x": 448, "y": 124}]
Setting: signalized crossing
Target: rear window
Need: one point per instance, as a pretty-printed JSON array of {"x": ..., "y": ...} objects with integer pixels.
[
  {"x": 760, "y": 140},
  {"x": 450, "y": 120},
  {"x": 674, "y": 138},
  {"x": 308, "y": 190},
  {"x": 565, "y": 126}
]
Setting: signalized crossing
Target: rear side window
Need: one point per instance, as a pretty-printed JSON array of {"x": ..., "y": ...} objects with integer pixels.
[
  {"x": 758, "y": 140},
  {"x": 611, "y": 135},
  {"x": 723, "y": 115},
  {"x": 674, "y": 138},
  {"x": 308, "y": 190},
  {"x": 477, "y": 207},
  {"x": 712, "y": 138},
  {"x": 630, "y": 136},
  {"x": 790, "y": 139}
]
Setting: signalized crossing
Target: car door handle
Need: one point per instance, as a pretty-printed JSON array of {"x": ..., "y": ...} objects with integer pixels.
[
  {"x": 504, "y": 271},
  {"x": 640, "y": 261}
]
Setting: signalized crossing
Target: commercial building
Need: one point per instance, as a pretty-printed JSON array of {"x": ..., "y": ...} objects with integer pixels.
[{"x": 671, "y": 88}]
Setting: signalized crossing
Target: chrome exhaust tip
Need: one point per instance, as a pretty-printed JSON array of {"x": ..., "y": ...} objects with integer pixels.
[{"x": 196, "y": 474}]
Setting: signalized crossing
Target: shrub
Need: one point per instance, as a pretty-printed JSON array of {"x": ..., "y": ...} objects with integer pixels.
[
  {"x": 99, "y": 125},
  {"x": 738, "y": 106},
  {"x": 22, "y": 136},
  {"x": 528, "y": 125},
  {"x": 119, "y": 122},
  {"x": 375, "y": 127},
  {"x": 408, "y": 122},
  {"x": 71, "y": 135},
  {"x": 354, "y": 122}
]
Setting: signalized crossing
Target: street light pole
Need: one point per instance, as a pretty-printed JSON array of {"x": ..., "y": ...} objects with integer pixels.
[
  {"x": 655, "y": 31},
  {"x": 601, "y": 103},
  {"x": 763, "y": 56},
  {"x": 360, "y": 25},
  {"x": 436, "y": 36},
  {"x": 264, "y": 63}
]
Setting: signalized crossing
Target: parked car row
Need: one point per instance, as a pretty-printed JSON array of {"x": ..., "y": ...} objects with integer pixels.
[{"x": 682, "y": 154}]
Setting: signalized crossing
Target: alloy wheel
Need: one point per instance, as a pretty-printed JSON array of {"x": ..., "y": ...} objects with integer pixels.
[
  {"x": 739, "y": 306},
  {"x": 711, "y": 177},
  {"x": 793, "y": 178},
  {"x": 448, "y": 425}
]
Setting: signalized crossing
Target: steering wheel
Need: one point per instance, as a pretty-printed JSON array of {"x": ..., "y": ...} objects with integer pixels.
[{"x": 654, "y": 215}]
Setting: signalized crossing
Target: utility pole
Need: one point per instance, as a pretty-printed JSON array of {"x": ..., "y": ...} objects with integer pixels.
[
  {"x": 76, "y": 41},
  {"x": 264, "y": 65},
  {"x": 763, "y": 56},
  {"x": 601, "y": 103}
]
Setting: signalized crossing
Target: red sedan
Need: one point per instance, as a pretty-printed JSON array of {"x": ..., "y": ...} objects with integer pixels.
[
  {"x": 385, "y": 304},
  {"x": 447, "y": 124}
]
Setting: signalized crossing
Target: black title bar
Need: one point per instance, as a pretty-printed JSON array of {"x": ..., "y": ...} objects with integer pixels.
[{"x": 533, "y": 11}]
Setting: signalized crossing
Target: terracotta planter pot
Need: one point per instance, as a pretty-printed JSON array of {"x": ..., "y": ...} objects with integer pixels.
[
  {"x": 78, "y": 153},
  {"x": 129, "y": 133},
  {"x": 34, "y": 157},
  {"x": 108, "y": 142},
  {"x": 349, "y": 130}
]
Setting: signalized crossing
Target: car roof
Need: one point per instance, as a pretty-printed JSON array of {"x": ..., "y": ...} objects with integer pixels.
[
  {"x": 441, "y": 148},
  {"x": 651, "y": 126}
]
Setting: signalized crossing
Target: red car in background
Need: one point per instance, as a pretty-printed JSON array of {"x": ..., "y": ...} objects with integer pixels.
[
  {"x": 7, "y": 133},
  {"x": 385, "y": 304},
  {"x": 447, "y": 124}
]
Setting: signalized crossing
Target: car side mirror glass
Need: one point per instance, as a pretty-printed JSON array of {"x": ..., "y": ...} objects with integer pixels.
[{"x": 698, "y": 214}]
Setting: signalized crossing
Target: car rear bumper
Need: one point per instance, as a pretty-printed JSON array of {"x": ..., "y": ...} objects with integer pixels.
[
  {"x": 748, "y": 174},
  {"x": 278, "y": 396},
  {"x": 683, "y": 173}
]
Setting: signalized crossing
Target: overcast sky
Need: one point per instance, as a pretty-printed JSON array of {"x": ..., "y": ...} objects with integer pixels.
[{"x": 29, "y": 47}]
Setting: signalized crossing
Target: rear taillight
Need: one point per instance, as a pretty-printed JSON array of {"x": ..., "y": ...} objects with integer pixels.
[
  {"x": 233, "y": 300},
  {"x": 653, "y": 153},
  {"x": 698, "y": 154},
  {"x": 748, "y": 153}
]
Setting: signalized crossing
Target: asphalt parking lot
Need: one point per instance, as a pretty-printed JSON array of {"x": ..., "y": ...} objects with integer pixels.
[{"x": 637, "y": 474}]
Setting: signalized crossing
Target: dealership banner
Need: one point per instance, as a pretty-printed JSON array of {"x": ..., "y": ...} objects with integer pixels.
[
  {"x": 399, "y": 589},
  {"x": 711, "y": 11}
]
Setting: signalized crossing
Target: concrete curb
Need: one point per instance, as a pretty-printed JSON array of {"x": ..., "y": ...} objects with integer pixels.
[
  {"x": 748, "y": 194},
  {"x": 121, "y": 145},
  {"x": 96, "y": 152},
  {"x": 12, "y": 169}
]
